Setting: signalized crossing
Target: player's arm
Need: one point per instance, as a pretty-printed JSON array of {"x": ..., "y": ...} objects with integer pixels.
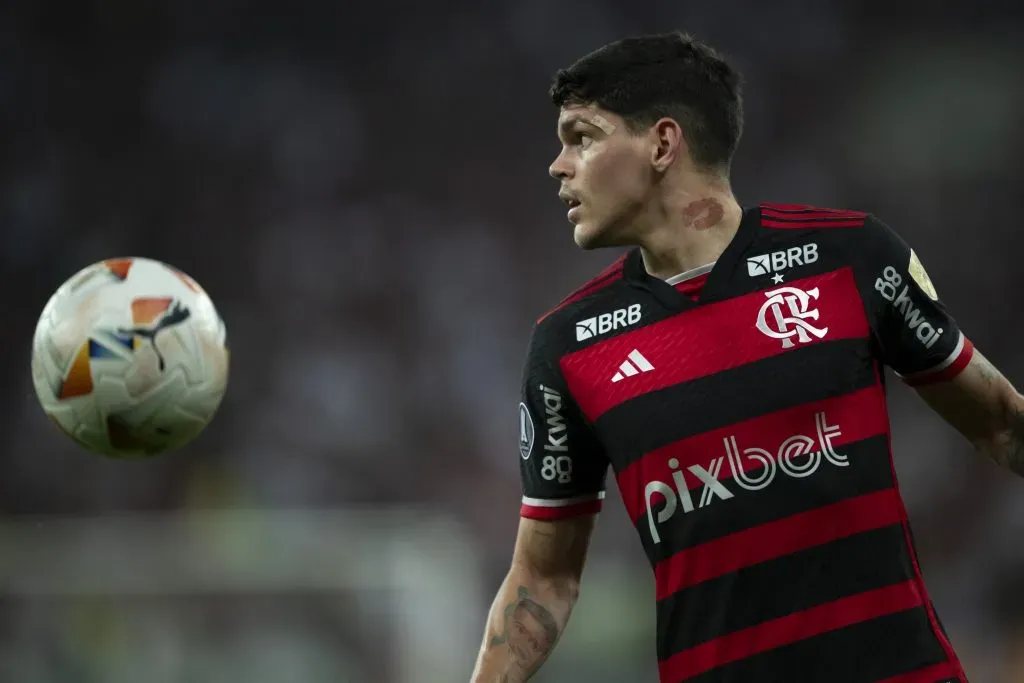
[
  {"x": 921, "y": 341},
  {"x": 983, "y": 406},
  {"x": 535, "y": 600},
  {"x": 563, "y": 467}
]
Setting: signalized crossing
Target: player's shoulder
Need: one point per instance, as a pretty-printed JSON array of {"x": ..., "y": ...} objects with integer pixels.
[
  {"x": 843, "y": 229},
  {"x": 576, "y": 318},
  {"x": 806, "y": 217},
  {"x": 829, "y": 238}
]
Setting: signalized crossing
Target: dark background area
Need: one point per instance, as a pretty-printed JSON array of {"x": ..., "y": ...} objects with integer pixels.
[{"x": 363, "y": 191}]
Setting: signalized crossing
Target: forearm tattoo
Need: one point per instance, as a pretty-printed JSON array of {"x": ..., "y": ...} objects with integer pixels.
[
  {"x": 1007, "y": 449},
  {"x": 529, "y": 631},
  {"x": 1011, "y": 455}
]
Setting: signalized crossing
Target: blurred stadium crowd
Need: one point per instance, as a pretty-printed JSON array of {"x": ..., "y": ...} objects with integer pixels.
[{"x": 363, "y": 191}]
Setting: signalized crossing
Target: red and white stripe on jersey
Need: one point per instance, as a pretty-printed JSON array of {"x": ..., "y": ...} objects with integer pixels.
[
  {"x": 561, "y": 508},
  {"x": 796, "y": 217},
  {"x": 954, "y": 364},
  {"x": 708, "y": 340}
]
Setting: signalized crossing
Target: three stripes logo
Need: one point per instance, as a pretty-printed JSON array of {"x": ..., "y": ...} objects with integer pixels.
[{"x": 634, "y": 365}]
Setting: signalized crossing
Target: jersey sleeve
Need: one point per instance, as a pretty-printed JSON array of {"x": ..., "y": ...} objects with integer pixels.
[
  {"x": 916, "y": 335},
  {"x": 562, "y": 463}
]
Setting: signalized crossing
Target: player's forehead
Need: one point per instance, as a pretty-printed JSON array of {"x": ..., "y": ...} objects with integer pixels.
[{"x": 571, "y": 115}]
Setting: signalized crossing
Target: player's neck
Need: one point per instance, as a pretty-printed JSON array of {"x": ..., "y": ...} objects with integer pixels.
[{"x": 689, "y": 229}]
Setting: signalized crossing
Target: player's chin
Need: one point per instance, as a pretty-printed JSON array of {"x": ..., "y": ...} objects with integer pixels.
[{"x": 591, "y": 235}]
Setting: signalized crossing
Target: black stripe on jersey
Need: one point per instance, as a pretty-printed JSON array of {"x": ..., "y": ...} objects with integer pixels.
[
  {"x": 867, "y": 652},
  {"x": 798, "y": 211},
  {"x": 869, "y": 471},
  {"x": 732, "y": 396},
  {"x": 938, "y": 620},
  {"x": 779, "y": 587}
]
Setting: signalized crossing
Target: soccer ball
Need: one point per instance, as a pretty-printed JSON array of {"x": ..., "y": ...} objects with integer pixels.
[{"x": 130, "y": 358}]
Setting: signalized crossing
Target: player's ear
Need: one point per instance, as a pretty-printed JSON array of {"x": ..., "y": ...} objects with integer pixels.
[{"x": 668, "y": 143}]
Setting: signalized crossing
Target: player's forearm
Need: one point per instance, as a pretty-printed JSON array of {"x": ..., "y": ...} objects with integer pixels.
[
  {"x": 1002, "y": 433},
  {"x": 986, "y": 408},
  {"x": 526, "y": 620},
  {"x": 1007, "y": 447}
]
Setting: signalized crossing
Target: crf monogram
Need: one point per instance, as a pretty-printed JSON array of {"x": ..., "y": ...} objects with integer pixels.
[
  {"x": 752, "y": 469},
  {"x": 784, "y": 316}
]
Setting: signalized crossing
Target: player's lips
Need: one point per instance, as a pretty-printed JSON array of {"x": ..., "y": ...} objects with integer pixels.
[{"x": 572, "y": 202}]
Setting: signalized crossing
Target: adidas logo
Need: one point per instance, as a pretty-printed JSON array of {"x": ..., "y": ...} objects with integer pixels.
[{"x": 634, "y": 366}]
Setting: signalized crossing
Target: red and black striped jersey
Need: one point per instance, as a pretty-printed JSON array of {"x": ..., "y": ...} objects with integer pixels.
[{"x": 748, "y": 432}]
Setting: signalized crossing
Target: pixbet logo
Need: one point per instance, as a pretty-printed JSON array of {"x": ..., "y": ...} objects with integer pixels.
[
  {"x": 784, "y": 316},
  {"x": 777, "y": 261},
  {"x": 798, "y": 456},
  {"x": 887, "y": 285},
  {"x": 606, "y": 322}
]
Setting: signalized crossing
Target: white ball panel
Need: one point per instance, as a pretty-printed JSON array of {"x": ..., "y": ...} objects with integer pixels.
[{"x": 159, "y": 365}]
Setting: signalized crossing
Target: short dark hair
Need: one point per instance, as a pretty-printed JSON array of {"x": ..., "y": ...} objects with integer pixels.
[{"x": 645, "y": 78}]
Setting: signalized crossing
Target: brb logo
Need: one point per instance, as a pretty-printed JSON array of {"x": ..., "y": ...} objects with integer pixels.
[
  {"x": 606, "y": 322},
  {"x": 785, "y": 314},
  {"x": 778, "y": 261},
  {"x": 752, "y": 469}
]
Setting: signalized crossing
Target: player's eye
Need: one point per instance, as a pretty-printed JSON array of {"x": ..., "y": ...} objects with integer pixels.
[{"x": 584, "y": 140}]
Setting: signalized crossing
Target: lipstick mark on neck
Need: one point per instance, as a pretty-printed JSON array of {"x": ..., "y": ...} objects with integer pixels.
[{"x": 703, "y": 214}]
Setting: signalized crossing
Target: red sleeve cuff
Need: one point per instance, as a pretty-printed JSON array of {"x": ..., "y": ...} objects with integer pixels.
[
  {"x": 564, "y": 508},
  {"x": 947, "y": 369}
]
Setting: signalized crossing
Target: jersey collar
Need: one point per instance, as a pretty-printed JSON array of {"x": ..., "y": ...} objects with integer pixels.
[
  {"x": 690, "y": 274},
  {"x": 634, "y": 273}
]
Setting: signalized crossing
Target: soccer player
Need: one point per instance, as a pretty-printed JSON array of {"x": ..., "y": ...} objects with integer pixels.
[{"x": 729, "y": 370}]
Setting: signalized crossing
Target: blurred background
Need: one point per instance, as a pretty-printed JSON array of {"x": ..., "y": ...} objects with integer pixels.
[{"x": 363, "y": 190}]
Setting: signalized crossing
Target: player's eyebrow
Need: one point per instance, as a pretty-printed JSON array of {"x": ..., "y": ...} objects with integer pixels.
[
  {"x": 566, "y": 125},
  {"x": 593, "y": 121}
]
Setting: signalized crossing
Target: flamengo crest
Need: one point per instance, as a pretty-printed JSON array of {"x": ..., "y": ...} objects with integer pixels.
[{"x": 786, "y": 313}]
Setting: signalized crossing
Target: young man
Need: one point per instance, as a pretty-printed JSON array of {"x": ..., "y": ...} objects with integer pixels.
[{"x": 729, "y": 370}]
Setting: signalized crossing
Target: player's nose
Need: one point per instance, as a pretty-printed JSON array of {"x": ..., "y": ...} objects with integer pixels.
[{"x": 560, "y": 167}]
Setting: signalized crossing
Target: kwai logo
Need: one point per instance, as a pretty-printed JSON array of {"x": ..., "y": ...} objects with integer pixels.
[
  {"x": 887, "y": 285},
  {"x": 798, "y": 456},
  {"x": 558, "y": 435}
]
